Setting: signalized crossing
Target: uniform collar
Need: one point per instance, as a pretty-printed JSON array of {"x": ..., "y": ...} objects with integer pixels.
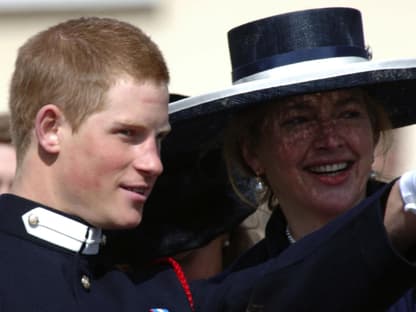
[{"x": 62, "y": 231}]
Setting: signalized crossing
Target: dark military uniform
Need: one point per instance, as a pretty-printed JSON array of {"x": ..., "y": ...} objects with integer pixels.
[
  {"x": 348, "y": 265},
  {"x": 48, "y": 262}
]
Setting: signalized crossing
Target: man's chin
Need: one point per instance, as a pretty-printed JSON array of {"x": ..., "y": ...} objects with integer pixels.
[{"x": 131, "y": 220}]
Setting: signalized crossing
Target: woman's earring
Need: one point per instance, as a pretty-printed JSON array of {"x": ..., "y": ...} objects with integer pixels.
[{"x": 259, "y": 185}]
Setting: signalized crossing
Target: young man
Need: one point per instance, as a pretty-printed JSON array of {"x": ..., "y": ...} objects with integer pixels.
[{"x": 89, "y": 108}]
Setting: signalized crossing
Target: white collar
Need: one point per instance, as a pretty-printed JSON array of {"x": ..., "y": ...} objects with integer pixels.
[{"x": 62, "y": 231}]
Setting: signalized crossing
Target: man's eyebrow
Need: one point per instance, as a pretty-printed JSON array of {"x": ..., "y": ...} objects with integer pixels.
[
  {"x": 128, "y": 123},
  {"x": 165, "y": 129}
]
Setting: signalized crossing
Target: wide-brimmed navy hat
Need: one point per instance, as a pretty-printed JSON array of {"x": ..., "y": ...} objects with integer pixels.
[{"x": 303, "y": 52}]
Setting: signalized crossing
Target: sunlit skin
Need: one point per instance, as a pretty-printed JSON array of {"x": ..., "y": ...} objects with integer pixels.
[
  {"x": 8, "y": 166},
  {"x": 316, "y": 154},
  {"x": 108, "y": 167}
]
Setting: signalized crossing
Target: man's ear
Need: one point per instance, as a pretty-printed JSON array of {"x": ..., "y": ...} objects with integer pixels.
[
  {"x": 252, "y": 160},
  {"x": 48, "y": 122}
]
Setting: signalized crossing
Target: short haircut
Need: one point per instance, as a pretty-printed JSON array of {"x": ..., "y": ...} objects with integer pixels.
[{"x": 72, "y": 65}]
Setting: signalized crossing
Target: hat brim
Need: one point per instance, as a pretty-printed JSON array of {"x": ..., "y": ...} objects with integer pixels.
[{"x": 392, "y": 82}]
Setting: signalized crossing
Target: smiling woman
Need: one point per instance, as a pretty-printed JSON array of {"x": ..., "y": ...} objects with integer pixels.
[
  {"x": 302, "y": 119},
  {"x": 313, "y": 154}
]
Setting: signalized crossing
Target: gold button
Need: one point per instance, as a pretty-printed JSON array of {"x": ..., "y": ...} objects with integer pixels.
[
  {"x": 33, "y": 220},
  {"x": 85, "y": 281}
]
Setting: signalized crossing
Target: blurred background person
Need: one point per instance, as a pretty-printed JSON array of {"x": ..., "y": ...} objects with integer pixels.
[{"x": 7, "y": 154}]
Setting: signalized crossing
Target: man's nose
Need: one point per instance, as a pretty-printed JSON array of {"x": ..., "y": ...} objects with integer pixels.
[{"x": 148, "y": 158}]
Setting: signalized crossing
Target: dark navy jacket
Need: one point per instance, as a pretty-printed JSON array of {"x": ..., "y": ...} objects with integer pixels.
[
  {"x": 38, "y": 276},
  {"x": 348, "y": 265}
]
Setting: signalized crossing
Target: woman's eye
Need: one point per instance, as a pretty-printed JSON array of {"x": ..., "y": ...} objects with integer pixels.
[
  {"x": 294, "y": 121},
  {"x": 351, "y": 114}
]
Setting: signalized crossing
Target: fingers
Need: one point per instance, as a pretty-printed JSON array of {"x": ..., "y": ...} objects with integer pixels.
[{"x": 400, "y": 213}]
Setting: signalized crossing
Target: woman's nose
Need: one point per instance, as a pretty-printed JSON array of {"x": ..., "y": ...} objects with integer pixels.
[{"x": 327, "y": 135}]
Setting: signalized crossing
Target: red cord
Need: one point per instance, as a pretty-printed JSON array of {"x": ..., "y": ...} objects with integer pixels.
[{"x": 181, "y": 277}]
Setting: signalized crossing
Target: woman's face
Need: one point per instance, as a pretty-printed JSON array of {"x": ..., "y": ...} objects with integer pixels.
[{"x": 316, "y": 153}]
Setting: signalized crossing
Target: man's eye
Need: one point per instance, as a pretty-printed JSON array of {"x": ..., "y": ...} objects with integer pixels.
[{"x": 127, "y": 132}]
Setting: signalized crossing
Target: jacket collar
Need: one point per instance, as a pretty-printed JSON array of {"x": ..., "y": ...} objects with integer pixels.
[{"x": 34, "y": 221}]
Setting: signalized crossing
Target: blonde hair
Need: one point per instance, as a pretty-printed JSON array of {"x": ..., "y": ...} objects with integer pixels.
[
  {"x": 72, "y": 65},
  {"x": 5, "y": 136}
]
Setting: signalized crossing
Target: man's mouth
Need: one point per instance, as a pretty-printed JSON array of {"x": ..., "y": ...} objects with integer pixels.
[{"x": 138, "y": 190}]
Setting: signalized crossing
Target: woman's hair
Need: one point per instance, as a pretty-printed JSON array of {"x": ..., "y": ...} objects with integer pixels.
[
  {"x": 246, "y": 128},
  {"x": 72, "y": 65},
  {"x": 5, "y": 128}
]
